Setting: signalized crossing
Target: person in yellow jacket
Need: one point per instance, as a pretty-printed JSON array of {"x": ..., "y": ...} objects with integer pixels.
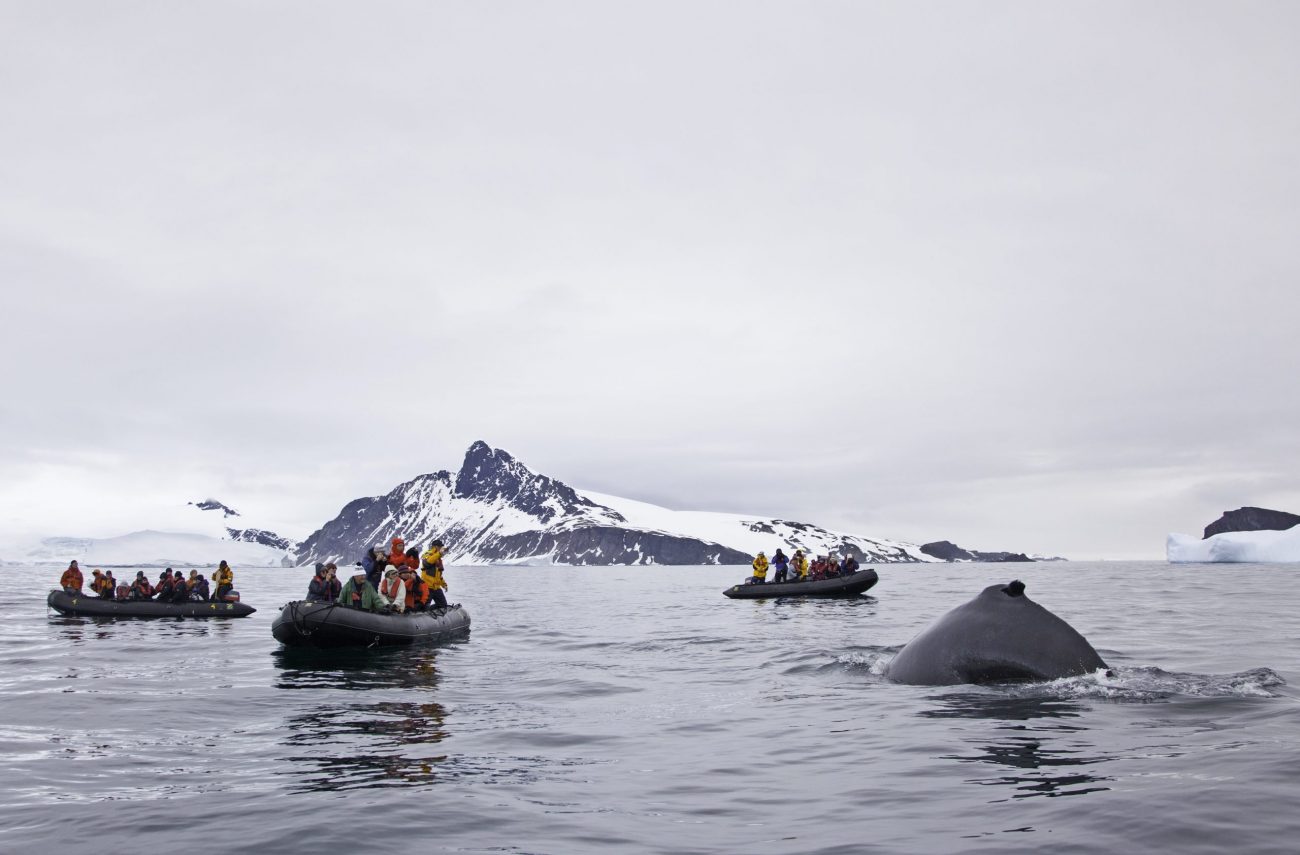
[
  {"x": 760, "y": 570},
  {"x": 799, "y": 564},
  {"x": 431, "y": 572},
  {"x": 223, "y": 580}
]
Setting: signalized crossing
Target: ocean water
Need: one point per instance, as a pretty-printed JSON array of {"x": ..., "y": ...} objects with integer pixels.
[{"x": 638, "y": 710}]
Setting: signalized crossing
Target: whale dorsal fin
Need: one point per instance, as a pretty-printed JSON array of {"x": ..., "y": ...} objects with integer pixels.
[{"x": 1015, "y": 589}]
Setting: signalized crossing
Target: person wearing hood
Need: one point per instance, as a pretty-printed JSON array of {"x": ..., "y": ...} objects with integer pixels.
[
  {"x": 224, "y": 580},
  {"x": 392, "y": 590},
  {"x": 397, "y": 555},
  {"x": 358, "y": 593},
  {"x": 760, "y": 570},
  {"x": 318, "y": 589},
  {"x": 200, "y": 591}
]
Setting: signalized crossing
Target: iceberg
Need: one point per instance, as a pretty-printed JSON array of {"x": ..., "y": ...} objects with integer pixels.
[{"x": 1239, "y": 547}]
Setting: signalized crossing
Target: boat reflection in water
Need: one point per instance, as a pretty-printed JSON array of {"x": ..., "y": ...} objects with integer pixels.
[
  {"x": 1042, "y": 743},
  {"x": 392, "y": 742}
]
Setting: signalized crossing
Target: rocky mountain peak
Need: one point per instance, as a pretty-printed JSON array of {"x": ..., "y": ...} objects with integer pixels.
[
  {"x": 214, "y": 505},
  {"x": 492, "y": 475}
]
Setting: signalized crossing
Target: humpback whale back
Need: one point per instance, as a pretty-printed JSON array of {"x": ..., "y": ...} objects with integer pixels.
[{"x": 1000, "y": 636}]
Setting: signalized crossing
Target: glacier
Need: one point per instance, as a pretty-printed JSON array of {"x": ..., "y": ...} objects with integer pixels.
[{"x": 1239, "y": 547}]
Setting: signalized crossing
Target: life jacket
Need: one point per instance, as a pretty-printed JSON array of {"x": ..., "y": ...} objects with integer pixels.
[
  {"x": 417, "y": 593},
  {"x": 800, "y": 565},
  {"x": 391, "y": 586},
  {"x": 223, "y": 577},
  {"x": 71, "y": 578},
  {"x": 97, "y": 582},
  {"x": 760, "y": 567},
  {"x": 142, "y": 587},
  {"x": 397, "y": 553}
]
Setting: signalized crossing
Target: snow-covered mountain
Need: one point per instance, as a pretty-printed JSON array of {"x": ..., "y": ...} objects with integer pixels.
[
  {"x": 496, "y": 510},
  {"x": 199, "y": 535}
]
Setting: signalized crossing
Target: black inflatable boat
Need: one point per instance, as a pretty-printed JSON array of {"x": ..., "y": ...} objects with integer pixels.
[
  {"x": 81, "y": 605},
  {"x": 838, "y": 586},
  {"x": 303, "y": 624}
]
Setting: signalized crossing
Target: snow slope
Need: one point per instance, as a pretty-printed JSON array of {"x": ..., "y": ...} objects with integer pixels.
[
  {"x": 152, "y": 549},
  {"x": 195, "y": 534},
  {"x": 1241, "y": 547},
  {"x": 752, "y": 534}
]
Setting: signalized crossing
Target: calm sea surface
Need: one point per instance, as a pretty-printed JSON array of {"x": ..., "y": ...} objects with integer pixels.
[{"x": 637, "y": 710}]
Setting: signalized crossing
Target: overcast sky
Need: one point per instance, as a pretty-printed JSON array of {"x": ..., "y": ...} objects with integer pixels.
[{"x": 1018, "y": 275}]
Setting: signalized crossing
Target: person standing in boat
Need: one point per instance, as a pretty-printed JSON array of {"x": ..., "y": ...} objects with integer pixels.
[
  {"x": 760, "y": 569},
  {"x": 224, "y": 580},
  {"x": 358, "y": 593},
  {"x": 374, "y": 563},
  {"x": 110, "y": 586},
  {"x": 431, "y": 569},
  {"x": 781, "y": 566},
  {"x": 71, "y": 580}
]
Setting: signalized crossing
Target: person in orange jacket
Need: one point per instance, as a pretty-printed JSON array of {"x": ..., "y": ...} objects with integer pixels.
[
  {"x": 71, "y": 580},
  {"x": 417, "y": 593},
  {"x": 397, "y": 555}
]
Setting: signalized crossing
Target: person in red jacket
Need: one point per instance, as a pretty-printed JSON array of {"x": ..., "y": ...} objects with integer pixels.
[
  {"x": 71, "y": 580},
  {"x": 397, "y": 555}
]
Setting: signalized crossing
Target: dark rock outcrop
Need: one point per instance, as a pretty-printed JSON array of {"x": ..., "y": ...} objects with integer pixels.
[
  {"x": 947, "y": 551},
  {"x": 1252, "y": 519},
  {"x": 266, "y": 538}
]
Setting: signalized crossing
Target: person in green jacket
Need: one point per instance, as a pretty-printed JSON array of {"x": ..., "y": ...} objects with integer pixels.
[{"x": 358, "y": 593}]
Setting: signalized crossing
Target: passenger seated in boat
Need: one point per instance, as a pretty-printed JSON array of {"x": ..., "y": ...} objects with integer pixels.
[
  {"x": 832, "y": 566},
  {"x": 392, "y": 590},
  {"x": 358, "y": 593},
  {"x": 180, "y": 590},
  {"x": 431, "y": 574},
  {"x": 200, "y": 591},
  {"x": 849, "y": 566},
  {"x": 223, "y": 578},
  {"x": 318, "y": 589},
  {"x": 781, "y": 565},
  {"x": 799, "y": 565},
  {"x": 71, "y": 580},
  {"x": 110, "y": 586},
  {"x": 417, "y": 593},
  {"x": 97, "y": 582},
  {"x": 163, "y": 588},
  {"x": 140, "y": 589},
  {"x": 331, "y": 576},
  {"x": 760, "y": 570}
]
